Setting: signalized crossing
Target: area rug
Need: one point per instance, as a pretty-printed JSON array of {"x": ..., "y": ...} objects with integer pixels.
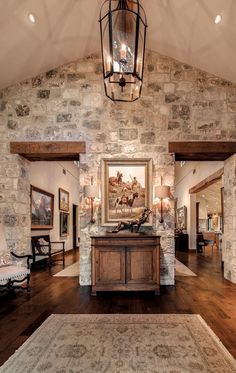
[
  {"x": 71, "y": 271},
  {"x": 122, "y": 344},
  {"x": 182, "y": 270}
]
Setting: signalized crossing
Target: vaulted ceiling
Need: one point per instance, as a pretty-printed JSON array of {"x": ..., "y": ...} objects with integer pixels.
[{"x": 66, "y": 30}]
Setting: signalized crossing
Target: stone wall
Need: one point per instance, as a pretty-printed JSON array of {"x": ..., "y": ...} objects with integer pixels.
[
  {"x": 229, "y": 246},
  {"x": 178, "y": 102}
]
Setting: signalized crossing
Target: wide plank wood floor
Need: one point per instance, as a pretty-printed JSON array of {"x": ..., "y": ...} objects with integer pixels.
[{"x": 208, "y": 294}]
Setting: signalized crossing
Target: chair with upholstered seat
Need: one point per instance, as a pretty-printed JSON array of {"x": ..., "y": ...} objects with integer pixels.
[
  {"x": 14, "y": 271},
  {"x": 14, "y": 268}
]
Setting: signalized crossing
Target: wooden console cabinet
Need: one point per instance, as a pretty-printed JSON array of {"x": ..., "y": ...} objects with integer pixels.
[{"x": 125, "y": 262}]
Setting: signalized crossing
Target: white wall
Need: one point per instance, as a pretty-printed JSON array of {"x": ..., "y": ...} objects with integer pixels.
[
  {"x": 187, "y": 177},
  {"x": 49, "y": 176}
]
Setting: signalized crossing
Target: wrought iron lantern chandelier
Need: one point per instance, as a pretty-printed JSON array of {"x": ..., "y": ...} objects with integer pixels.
[{"x": 123, "y": 33}]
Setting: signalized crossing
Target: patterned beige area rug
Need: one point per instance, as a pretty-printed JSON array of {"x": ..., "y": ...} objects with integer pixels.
[
  {"x": 122, "y": 344},
  {"x": 71, "y": 271},
  {"x": 182, "y": 270}
]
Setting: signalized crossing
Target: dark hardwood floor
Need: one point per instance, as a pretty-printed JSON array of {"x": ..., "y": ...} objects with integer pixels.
[{"x": 208, "y": 294}]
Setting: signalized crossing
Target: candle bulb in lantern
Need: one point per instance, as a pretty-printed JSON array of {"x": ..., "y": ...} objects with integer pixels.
[{"x": 123, "y": 52}]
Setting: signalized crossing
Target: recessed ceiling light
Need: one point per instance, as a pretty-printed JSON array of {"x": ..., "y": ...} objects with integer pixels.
[
  {"x": 203, "y": 195},
  {"x": 218, "y": 19},
  {"x": 32, "y": 18}
]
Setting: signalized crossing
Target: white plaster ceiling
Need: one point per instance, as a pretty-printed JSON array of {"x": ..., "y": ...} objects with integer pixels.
[
  {"x": 66, "y": 30},
  {"x": 212, "y": 197}
]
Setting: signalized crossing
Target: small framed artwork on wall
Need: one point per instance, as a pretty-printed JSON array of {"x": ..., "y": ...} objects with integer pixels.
[
  {"x": 42, "y": 206},
  {"x": 64, "y": 200},
  {"x": 64, "y": 224},
  {"x": 181, "y": 218}
]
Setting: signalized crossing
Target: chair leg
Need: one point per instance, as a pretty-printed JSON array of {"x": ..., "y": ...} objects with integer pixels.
[{"x": 28, "y": 283}]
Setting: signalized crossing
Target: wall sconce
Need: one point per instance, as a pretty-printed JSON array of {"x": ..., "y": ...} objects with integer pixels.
[
  {"x": 162, "y": 192},
  {"x": 91, "y": 192}
]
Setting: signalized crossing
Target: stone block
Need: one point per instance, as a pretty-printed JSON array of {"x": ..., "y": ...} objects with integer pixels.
[
  {"x": 93, "y": 100},
  {"x": 128, "y": 134},
  {"x": 148, "y": 138},
  {"x": 10, "y": 220},
  {"x": 37, "y": 81},
  {"x": 74, "y": 77},
  {"x": 172, "y": 125},
  {"x": 92, "y": 124},
  {"x": 43, "y": 93},
  {"x": 64, "y": 117},
  {"x": 150, "y": 68},
  {"x": 2, "y": 105},
  {"x": 22, "y": 110},
  {"x": 181, "y": 112},
  {"x": 51, "y": 74},
  {"x": 171, "y": 97},
  {"x": 169, "y": 88},
  {"x": 71, "y": 93},
  {"x": 12, "y": 124},
  {"x": 154, "y": 87}
]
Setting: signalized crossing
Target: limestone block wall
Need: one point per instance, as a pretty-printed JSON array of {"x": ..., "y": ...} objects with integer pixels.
[
  {"x": 178, "y": 102},
  {"x": 229, "y": 246}
]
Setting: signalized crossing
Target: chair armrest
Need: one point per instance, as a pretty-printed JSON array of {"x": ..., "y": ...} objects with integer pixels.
[
  {"x": 28, "y": 256},
  {"x": 58, "y": 242}
]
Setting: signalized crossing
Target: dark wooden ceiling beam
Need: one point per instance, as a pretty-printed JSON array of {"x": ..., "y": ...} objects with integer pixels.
[
  {"x": 202, "y": 150},
  {"x": 48, "y": 151}
]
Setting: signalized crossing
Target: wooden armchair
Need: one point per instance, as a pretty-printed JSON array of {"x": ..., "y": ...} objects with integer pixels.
[{"x": 42, "y": 246}]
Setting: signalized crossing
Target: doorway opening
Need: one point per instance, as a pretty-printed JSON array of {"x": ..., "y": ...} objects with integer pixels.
[
  {"x": 75, "y": 219},
  {"x": 55, "y": 186}
]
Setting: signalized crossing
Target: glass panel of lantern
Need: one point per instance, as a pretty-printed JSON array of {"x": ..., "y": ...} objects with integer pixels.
[
  {"x": 106, "y": 47},
  {"x": 123, "y": 41},
  {"x": 141, "y": 48}
]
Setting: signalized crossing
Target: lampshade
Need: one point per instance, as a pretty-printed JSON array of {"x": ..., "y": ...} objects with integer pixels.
[
  {"x": 91, "y": 191},
  {"x": 123, "y": 33},
  {"x": 162, "y": 191}
]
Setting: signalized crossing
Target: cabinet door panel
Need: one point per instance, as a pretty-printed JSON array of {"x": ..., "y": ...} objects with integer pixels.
[
  {"x": 110, "y": 265},
  {"x": 141, "y": 265}
]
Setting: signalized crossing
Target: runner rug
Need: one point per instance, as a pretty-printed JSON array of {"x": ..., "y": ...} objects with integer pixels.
[
  {"x": 122, "y": 344},
  {"x": 71, "y": 271},
  {"x": 182, "y": 270}
]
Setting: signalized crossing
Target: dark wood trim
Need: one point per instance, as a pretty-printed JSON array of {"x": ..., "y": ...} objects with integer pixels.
[
  {"x": 222, "y": 206},
  {"x": 49, "y": 151},
  {"x": 207, "y": 182},
  {"x": 202, "y": 150},
  {"x": 197, "y": 217}
]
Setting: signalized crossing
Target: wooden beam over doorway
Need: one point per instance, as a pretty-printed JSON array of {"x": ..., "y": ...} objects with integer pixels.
[
  {"x": 49, "y": 151},
  {"x": 207, "y": 182},
  {"x": 202, "y": 150}
]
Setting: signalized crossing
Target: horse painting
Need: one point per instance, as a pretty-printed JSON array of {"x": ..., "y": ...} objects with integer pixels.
[{"x": 126, "y": 201}]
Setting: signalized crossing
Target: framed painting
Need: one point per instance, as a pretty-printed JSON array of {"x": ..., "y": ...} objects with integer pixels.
[
  {"x": 64, "y": 224},
  {"x": 42, "y": 208},
  {"x": 64, "y": 202},
  {"x": 126, "y": 189},
  {"x": 181, "y": 218}
]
